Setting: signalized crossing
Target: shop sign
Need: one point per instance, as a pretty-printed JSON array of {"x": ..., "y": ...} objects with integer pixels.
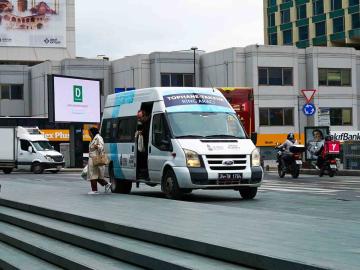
[
  {"x": 62, "y": 135},
  {"x": 345, "y": 135}
]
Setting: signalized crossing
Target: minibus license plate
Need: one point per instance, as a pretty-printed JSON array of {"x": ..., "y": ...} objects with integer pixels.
[{"x": 230, "y": 176}]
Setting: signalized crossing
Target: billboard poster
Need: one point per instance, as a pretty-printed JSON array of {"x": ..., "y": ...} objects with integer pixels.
[
  {"x": 76, "y": 100},
  {"x": 314, "y": 140},
  {"x": 25, "y": 23}
]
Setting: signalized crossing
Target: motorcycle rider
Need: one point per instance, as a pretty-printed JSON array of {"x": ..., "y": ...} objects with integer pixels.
[
  {"x": 321, "y": 154},
  {"x": 286, "y": 154}
]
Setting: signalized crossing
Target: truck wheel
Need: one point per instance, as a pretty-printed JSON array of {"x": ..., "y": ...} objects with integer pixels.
[
  {"x": 37, "y": 168},
  {"x": 119, "y": 185},
  {"x": 170, "y": 187},
  {"x": 7, "y": 170},
  {"x": 248, "y": 193}
]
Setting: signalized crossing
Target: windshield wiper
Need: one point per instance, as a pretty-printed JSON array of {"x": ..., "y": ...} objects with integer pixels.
[
  {"x": 189, "y": 136},
  {"x": 222, "y": 136}
]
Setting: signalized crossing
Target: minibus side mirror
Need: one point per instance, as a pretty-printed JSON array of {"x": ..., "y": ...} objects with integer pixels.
[
  {"x": 254, "y": 137},
  {"x": 30, "y": 149}
]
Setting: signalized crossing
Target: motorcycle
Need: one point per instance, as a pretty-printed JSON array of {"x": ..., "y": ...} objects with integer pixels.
[{"x": 293, "y": 160}]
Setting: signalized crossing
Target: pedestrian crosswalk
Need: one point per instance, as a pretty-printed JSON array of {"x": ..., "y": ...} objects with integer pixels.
[{"x": 311, "y": 184}]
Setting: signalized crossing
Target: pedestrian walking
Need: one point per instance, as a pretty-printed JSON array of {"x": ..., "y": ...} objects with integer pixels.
[{"x": 96, "y": 172}]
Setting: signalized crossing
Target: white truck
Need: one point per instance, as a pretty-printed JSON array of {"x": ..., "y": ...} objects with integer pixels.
[{"x": 26, "y": 148}]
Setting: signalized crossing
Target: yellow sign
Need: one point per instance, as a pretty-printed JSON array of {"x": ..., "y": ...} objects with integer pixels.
[
  {"x": 62, "y": 135},
  {"x": 272, "y": 139}
]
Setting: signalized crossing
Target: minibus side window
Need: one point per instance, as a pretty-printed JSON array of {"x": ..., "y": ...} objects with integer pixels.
[
  {"x": 106, "y": 130},
  {"x": 114, "y": 129},
  {"x": 127, "y": 129},
  {"x": 161, "y": 133}
]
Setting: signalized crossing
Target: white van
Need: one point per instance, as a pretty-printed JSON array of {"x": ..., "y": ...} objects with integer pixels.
[
  {"x": 25, "y": 148},
  {"x": 193, "y": 140}
]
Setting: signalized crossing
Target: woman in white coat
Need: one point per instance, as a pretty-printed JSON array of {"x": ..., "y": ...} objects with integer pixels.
[{"x": 96, "y": 173}]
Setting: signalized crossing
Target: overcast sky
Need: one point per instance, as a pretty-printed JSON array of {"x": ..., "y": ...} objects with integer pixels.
[{"x": 118, "y": 28}]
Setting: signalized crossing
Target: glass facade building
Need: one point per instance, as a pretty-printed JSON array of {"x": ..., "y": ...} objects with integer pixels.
[{"x": 304, "y": 23}]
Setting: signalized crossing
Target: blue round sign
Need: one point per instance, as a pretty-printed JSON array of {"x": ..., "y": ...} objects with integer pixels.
[{"x": 309, "y": 109}]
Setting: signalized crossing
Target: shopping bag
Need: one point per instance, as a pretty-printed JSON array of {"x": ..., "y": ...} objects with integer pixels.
[
  {"x": 140, "y": 143},
  {"x": 84, "y": 173},
  {"x": 100, "y": 160}
]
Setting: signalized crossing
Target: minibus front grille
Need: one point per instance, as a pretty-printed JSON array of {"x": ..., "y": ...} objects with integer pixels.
[
  {"x": 226, "y": 162},
  {"x": 219, "y": 162},
  {"x": 225, "y": 156},
  {"x": 227, "y": 168}
]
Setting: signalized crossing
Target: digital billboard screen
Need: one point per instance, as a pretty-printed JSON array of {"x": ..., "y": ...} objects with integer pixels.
[
  {"x": 25, "y": 23},
  {"x": 74, "y": 100}
]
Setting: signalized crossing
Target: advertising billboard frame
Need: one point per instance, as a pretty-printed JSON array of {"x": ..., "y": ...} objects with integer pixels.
[
  {"x": 42, "y": 24},
  {"x": 310, "y": 142},
  {"x": 51, "y": 97}
]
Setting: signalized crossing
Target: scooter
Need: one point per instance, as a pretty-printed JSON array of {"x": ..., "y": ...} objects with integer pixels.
[
  {"x": 330, "y": 152},
  {"x": 293, "y": 162},
  {"x": 329, "y": 166}
]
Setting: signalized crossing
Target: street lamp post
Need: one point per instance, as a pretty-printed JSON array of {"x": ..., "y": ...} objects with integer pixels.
[{"x": 194, "y": 48}]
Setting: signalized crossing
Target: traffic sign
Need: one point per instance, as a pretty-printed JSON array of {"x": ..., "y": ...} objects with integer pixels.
[
  {"x": 308, "y": 94},
  {"x": 309, "y": 109}
]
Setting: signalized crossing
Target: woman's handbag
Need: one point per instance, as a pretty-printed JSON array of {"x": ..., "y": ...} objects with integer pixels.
[{"x": 100, "y": 160}]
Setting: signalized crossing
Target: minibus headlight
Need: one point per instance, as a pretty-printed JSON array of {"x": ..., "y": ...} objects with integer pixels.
[
  {"x": 255, "y": 158},
  {"x": 192, "y": 159}
]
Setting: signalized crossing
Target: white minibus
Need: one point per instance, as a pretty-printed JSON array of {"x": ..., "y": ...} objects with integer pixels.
[{"x": 192, "y": 139}]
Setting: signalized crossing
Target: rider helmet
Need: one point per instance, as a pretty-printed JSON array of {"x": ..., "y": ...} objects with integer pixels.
[{"x": 291, "y": 136}]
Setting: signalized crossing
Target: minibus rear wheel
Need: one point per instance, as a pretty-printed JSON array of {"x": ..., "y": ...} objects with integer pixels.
[
  {"x": 248, "y": 193},
  {"x": 119, "y": 185},
  {"x": 170, "y": 185}
]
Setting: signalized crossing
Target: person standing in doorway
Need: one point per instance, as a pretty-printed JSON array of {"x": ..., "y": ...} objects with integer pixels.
[
  {"x": 143, "y": 129},
  {"x": 96, "y": 173}
]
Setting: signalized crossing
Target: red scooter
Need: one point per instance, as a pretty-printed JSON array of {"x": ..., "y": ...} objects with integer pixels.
[{"x": 329, "y": 153}]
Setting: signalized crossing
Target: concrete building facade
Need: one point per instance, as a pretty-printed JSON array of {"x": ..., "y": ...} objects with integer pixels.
[
  {"x": 34, "y": 55},
  {"x": 305, "y": 23},
  {"x": 277, "y": 74}
]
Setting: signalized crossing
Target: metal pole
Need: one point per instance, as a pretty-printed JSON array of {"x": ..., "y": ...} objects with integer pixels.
[
  {"x": 194, "y": 49},
  {"x": 194, "y": 69}
]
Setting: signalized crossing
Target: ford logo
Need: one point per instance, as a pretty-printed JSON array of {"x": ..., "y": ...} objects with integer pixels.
[{"x": 228, "y": 162}]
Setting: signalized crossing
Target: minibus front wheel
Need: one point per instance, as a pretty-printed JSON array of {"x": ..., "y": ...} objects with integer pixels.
[
  {"x": 170, "y": 185},
  {"x": 248, "y": 193}
]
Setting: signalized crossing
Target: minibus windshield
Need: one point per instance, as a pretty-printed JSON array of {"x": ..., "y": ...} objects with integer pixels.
[{"x": 205, "y": 125}]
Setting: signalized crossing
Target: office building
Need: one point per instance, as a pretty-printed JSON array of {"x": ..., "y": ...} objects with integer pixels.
[{"x": 304, "y": 23}]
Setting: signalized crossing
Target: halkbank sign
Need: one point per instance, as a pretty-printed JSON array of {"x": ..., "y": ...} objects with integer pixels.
[{"x": 345, "y": 135}]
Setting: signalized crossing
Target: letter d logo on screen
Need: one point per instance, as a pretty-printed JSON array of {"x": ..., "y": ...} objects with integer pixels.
[{"x": 78, "y": 93}]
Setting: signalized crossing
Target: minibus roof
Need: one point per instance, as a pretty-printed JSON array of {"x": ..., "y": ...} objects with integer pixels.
[{"x": 170, "y": 95}]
